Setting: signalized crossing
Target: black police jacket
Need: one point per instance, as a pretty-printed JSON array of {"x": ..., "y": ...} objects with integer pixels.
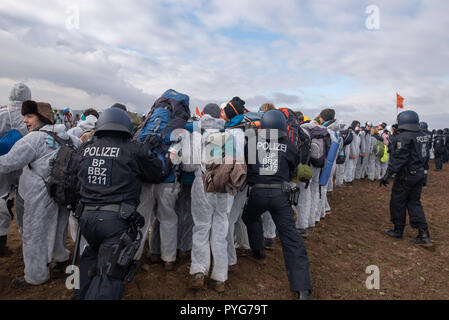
[
  {"x": 438, "y": 144},
  {"x": 111, "y": 169},
  {"x": 409, "y": 152},
  {"x": 429, "y": 143},
  {"x": 272, "y": 167}
]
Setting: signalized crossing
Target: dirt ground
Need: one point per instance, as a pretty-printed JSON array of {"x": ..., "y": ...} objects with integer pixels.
[{"x": 340, "y": 249}]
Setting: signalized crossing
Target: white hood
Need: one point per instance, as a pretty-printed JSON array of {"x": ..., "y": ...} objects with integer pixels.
[
  {"x": 20, "y": 92},
  {"x": 88, "y": 124}
]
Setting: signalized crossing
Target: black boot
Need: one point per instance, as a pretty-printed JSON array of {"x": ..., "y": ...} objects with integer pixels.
[
  {"x": 423, "y": 238},
  {"x": 395, "y": 233},
  {"x": 3, "y": 248},
  {"x": 58, "y": 270}
]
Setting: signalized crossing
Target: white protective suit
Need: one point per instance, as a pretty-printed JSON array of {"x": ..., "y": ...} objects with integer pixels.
[
  {"x": 316, "y": 201},
  {"x": 325, "y": 207},
  {"x": 362, "y": 162},
  {"x": 164, "y": 220},
  {"x": 11, "y": 118},
  {"x": 237, "y": 232},
  {"x": 44, "y": 223},
  {"x": 304, "y": 205},
  {"x": 371, "y": 168},
  {"x": 82, "y": 126},
  {"x": 209, "y": 213},
  {"x": 303, "y": 208},
  {"x": 354, "y": 150},
  {"x": 269, "y": 228},
  {"x": 341, "y": 168}
]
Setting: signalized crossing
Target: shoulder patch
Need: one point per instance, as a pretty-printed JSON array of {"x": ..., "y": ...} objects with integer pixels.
[{"x": 398, "y": 145}]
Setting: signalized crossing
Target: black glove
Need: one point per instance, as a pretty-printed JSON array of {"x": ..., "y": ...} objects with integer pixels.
[{"x": 384, "y": 181}]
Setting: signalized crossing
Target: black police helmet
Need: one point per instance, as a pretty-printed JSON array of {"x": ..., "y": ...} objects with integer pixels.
[
  {"x": 114, "y": 119},
  {"x": 274, "y": 119},
  {"x": 408, "y": 120},
  {"x": 423, "y": 125}
]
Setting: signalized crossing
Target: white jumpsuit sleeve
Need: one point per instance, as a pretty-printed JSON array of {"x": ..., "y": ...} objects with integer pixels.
[{"x": 21, "y": 154}]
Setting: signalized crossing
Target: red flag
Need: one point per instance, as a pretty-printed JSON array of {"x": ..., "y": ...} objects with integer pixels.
[
  {"x": 197, "y": 111},
  {"x": 400, "y": 101}
]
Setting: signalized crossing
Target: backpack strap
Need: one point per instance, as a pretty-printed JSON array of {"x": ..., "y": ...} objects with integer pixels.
[
  {"x": 58, "y": 138},
  {"x": 10, "y": 119}
]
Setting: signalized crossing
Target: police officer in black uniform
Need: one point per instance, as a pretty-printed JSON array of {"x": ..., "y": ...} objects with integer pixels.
[
  {"x": 269, "y": 180},
  {"x": 408, "y": 161},
  {"x": 446, "y": 144},
  {"x": 424, "y": 127},
  {"x": 111, "y": 168},
  {"x": 439, "y": 148}
]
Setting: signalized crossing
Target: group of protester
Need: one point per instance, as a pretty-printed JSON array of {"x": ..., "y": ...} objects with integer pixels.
[{"x": 185, "y": 215}]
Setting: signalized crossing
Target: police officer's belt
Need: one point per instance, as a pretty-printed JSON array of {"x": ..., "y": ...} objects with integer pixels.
[
  {"x": 268, "y": 186},
  {"x": 106, "y": 207}
]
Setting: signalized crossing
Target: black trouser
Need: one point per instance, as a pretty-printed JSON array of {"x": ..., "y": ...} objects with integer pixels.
[
  {"x": 445, "y": 155},
  {"x": 293, "y": 247},
  {"x": 406, "y": 195},
  {"x": 438, "y": 161},
  {"x": 102, "y": 230}
]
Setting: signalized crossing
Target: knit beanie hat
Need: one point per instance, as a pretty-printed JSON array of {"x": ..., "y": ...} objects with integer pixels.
[
  {"x": 212, "y": 109},
  {"x": 327, "y": 114},
  {"x": 234, "y": 107},
  {"x": 42, "y": 109}
]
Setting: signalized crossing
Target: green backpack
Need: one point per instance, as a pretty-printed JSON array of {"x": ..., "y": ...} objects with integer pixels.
[{"x": 379, "y": 149}]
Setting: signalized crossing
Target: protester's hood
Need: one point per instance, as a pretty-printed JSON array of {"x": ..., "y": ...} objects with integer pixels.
[
  {"x": 309, "y": 125},
  {"x": 60, "y": 130},
  {"x": 208, "y": 122},
  {"x": 20, "y": 92},
  {"x": 88, "y": 124},
  {"x": 333, "y": 125}
]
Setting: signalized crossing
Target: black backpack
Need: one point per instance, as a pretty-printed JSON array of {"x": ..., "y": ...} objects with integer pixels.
[
  {"x": 347, "y": 136},
  {"x": 304, "y": 146},
  {"x": 293, "y": 124},
  {"x": 63, "y": 184}
]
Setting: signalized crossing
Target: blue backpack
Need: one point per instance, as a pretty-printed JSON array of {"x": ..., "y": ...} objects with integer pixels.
[
  {"x": 8, "y": 140},
  {"x": 169, "y": 112},
  {"x": 245, "y": 121}
]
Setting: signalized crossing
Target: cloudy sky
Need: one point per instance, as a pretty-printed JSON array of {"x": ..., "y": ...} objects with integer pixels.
[{"x": 302, "y": 54}]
